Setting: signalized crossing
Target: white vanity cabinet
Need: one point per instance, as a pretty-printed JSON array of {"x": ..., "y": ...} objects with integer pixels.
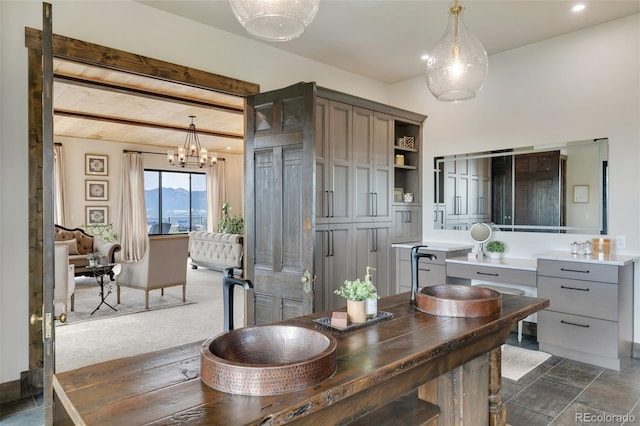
[{"x": 590, "y": 317}]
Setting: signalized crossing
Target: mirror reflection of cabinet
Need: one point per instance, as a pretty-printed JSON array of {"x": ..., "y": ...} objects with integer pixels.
[{"x": 525, "y": 189}]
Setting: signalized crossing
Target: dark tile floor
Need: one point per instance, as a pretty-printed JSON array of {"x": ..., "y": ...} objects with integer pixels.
[{"x": 558, "y": 392}]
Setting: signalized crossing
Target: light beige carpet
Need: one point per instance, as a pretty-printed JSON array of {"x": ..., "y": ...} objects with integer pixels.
[
  {"x": 88, "y": 342},
  {"x": 517, "y": 361}
]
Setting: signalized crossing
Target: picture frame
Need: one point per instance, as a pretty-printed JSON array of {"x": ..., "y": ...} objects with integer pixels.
[
  {"x": 580, "y": 193},
  {"x": 96, "y": 190},
  {"x": 97, "y": 215},
  {"x": 96, "y": 165},
  {"x": 398, "y": 195}
]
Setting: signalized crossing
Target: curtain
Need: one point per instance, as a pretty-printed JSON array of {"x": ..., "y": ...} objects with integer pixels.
[
  {"x": 132, "y": 223},
  {"x": 216, "y": 194},
  {"x": 59, "y": 187}
]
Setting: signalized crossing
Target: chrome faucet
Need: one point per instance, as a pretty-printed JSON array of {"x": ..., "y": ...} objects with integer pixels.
[{"x": 415, "y": 255}]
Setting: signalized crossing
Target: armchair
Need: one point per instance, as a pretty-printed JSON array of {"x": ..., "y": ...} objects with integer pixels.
[
  {"x": 164, "y": 264},
  {"x": 80, "y": 244},
  {"x": 64, "y": 282}
]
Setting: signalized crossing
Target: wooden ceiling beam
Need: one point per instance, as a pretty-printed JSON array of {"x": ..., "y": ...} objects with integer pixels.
[
  {"x": 139, "y": 123},
  {"x": 100, "y": 85}
]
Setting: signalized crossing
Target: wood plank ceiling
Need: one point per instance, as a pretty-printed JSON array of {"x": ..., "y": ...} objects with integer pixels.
[{"x": 102, "y": 104}]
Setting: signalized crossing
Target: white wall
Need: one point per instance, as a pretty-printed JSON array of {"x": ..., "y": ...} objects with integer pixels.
[
  {"x": 132, "y": 27},
  {"x": 575, "y": 87},
  {"x": 583, "y": 85}
]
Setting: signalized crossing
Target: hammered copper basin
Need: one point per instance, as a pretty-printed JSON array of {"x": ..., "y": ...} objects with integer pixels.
[
  {"x": 267, "y": 360},
  {"x": 458, "y": 301}
]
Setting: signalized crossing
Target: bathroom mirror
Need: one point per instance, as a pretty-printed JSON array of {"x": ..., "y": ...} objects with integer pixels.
[{"x": 552, "y": 188}]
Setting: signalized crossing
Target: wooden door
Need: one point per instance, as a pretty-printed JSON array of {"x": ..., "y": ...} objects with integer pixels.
[{"x": 279, "y": 201}]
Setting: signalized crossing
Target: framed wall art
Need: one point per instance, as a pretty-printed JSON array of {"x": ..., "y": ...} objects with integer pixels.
[
  {"x": 96, "y": 165},
  {"x": 398, "y": 195},
  {"x": 96, "y": 190},
  {"x": 580, "y": 193},
  {"x": 97, "y": 215}
]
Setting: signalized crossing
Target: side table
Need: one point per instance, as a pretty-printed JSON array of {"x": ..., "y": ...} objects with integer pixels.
[{"x": 99, "y": 271}]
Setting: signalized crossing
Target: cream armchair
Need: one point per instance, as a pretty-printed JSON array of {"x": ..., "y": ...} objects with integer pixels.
[
  {"x": 164, "y": 264},
  {"x": 64, "y": 282}
]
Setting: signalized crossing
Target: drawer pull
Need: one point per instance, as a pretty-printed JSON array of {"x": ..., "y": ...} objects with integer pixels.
[
  {"x": 576, "y": 324},
  {"x": 486, "y": 273},
  {"x": 574, "y": 270},
  {"x": 574, "y": 288}
]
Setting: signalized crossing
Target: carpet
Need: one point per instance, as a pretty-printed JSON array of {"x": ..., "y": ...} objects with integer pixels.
[
  {"x": 516, "y": 361},
  {"x": 87, "y": 298}
]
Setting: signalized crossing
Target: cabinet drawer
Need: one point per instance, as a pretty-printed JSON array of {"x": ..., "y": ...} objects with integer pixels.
[
  {"x": 405, "y": 254},
  {"x": 492, "y": 274},
  {"x": 427, "y": 274},
  {"x": 578, "y": 270},
  {"x": 586, "y": 298},
  {"x": 590, "y": 335}
]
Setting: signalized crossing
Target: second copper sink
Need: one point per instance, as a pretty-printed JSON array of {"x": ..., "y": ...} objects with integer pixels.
[
  {"x": 458, "y": 301},
  {"x": 267, "y": 360}
]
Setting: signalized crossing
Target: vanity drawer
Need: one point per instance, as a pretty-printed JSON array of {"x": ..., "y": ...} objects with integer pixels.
[
  {"x": 492, "y": 274},
  {"x": 590, "y": 335},
  {"x": 405, "y": 254},
  {"x": 578, "y": 270},
  {"x": 427, "y": 275},
  {"x": 598, "y": 300}
]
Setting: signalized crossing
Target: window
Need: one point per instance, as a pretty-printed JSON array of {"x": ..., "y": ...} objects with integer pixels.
[{"x": 176, "y": 202}]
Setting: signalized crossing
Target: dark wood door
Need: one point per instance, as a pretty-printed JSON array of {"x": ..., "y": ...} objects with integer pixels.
[{"x": 279, "y": 201}]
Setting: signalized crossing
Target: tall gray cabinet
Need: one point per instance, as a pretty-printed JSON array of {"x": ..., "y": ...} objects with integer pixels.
[{"x": 356, "y": 217}]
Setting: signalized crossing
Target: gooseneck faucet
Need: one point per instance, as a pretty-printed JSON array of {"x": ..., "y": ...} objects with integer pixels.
[
  {"x": 228, "y": 281},
  {"x": 415, "y": 255}
]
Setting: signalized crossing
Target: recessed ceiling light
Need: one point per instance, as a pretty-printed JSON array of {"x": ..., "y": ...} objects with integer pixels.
[
  {"x": 228, "y": 147},
  {"x": 578, "y": 7},
  {"x": 424, "y": 57}
]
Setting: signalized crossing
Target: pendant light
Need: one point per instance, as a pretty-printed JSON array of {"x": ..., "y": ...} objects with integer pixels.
[
  {"x": 275, "y": 20},
  {"x": 192, "y": 154},
  {"x": 458, "y": 64}
]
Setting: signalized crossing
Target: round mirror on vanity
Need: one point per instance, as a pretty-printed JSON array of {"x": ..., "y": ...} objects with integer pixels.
[{"x": 480, "y": 233}]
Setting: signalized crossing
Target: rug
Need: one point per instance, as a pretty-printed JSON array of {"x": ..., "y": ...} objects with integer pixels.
[
  {"x": 87, "y": 295},
  {"x": 517, "y": 361}
]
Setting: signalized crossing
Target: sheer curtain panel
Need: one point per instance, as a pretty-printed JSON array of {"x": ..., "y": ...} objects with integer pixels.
[
  {"x": 132, "y": 224},
  {"x": 59, "y": 187},
  {"x": 216, "y": 194}
]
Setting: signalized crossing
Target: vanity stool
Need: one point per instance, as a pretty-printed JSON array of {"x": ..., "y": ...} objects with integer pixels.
[{"x": 507, "y": 290}]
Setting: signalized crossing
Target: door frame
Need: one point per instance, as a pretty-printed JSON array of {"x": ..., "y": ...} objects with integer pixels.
[{"x": 40, "y": 210}]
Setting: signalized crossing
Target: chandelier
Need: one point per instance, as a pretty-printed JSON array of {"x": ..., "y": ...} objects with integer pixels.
[
  {"x": 192, "y": 154},
  {"x": 275, "y": 20},
  {"x": 458, "y": 64}
]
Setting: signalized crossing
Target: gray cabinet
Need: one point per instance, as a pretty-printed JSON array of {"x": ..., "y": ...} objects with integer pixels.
[
  {"x": 372, "y": 247},
  {"x": 407, "y": 223},
  {"x": 590, "y": 316},
  {"x": 372, "y": 165},
  {"x": 430, "y": 271},
  {"x": 334, "y": 175},
  {"x": 333, "y": 263}
]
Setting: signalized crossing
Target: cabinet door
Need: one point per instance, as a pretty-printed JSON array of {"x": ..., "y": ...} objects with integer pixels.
[
  {"x": 382, "y": 164},
  {"x": 323, "y": 162},
  {"x": 372, "y": 247},
  {"x": 407, "y": 224},
  {"x": 340, "y": 267},
  {"x": 363, "y": 190},
  {"x": 340, "y": 178}
]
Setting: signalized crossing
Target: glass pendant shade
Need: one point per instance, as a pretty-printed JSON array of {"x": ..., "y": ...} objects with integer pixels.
[
  {"x": 275, "y": 20},
  {"x": 458, "y": 64}
]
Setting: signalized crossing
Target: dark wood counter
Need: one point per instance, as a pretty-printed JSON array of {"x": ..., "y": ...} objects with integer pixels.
[{"x": 376, "y": 365}]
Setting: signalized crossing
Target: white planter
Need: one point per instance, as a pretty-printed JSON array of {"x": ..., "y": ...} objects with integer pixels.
[{"x": 494, "y": 255}]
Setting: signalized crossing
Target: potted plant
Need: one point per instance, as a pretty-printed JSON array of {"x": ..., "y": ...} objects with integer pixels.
[
  {"x": 357, "y": 292},
  {"x": 495, "y": 249},
  {"x": 94, "y": 258},
  {"x": 230, "y": 224}
]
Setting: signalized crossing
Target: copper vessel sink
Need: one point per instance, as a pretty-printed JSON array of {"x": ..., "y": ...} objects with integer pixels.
[
  {"x": 267, "y": 360},
  {"x": 458, "y": 301}
]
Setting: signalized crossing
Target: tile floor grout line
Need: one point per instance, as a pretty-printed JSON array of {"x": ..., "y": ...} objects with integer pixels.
[{"x": 577, "y": 396}]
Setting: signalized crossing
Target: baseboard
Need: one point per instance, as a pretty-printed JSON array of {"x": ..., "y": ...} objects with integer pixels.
[{"x": 10, "y": 391}]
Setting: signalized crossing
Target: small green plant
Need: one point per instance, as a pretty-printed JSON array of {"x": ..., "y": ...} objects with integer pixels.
[
  {"x": 495, "y": 246},
  {"x": 230, "y": 224},
  {"x": 94, "y": 256},
  {"x": 357, "y": 290}
]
